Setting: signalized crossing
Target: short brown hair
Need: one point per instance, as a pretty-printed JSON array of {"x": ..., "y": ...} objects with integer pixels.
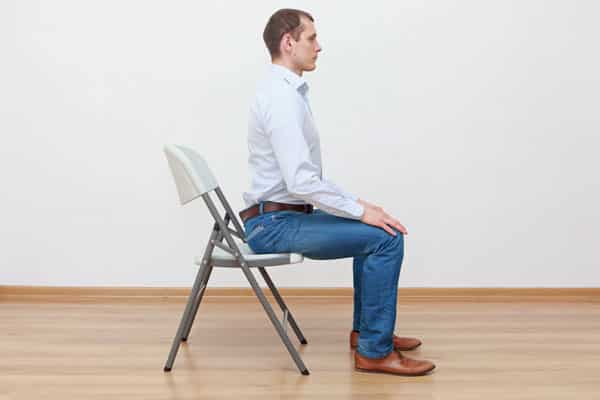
[{"x": 286, "y": 20}]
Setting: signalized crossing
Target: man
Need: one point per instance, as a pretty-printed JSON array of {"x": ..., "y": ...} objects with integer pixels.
[{"x": 287, "y": 180}]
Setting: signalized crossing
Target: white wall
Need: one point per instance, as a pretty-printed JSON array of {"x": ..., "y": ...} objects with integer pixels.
[{"x": 475, "y": 122}]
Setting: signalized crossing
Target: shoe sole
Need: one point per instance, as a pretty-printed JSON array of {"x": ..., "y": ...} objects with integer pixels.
[
  {"x": 397, "y": 349},
  {"x": 372, "y": 371}
]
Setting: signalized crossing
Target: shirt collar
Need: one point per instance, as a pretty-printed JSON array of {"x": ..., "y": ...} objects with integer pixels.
[{"x": 296, "y": 81}]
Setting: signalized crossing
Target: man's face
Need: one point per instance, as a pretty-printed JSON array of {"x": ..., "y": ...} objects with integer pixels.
[{"x": 304, "y": 52}]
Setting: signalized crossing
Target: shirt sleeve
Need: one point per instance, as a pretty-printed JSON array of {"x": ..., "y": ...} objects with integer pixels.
[
  {"x": 340, "y": 190},
  {"x": 284, "y": 123}
]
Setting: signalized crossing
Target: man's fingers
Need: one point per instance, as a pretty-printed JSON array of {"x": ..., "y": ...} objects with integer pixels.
[
  {"x": 388, "y": 229},
  {"x": 393, "y": 222},
  {"x": 387, "y": 223},
  {"x": 402, "y": 228}
]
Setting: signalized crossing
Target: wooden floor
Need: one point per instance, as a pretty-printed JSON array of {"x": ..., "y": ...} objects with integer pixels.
[{"x": 115, "y": 349}]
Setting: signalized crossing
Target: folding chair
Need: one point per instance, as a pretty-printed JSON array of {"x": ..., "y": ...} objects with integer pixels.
[{"x": 194, "y": 179}]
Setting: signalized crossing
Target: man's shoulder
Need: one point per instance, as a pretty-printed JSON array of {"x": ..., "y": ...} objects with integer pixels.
[
  {"x": 270, "y": 86},
  {"x": 275, "y": 92}
]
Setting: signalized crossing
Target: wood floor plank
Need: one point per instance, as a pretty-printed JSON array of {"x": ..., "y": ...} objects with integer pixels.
[{"x": 106, "y": 350}]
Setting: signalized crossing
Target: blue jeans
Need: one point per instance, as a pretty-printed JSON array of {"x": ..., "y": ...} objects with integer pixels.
[{"x": 322, "y": 236}]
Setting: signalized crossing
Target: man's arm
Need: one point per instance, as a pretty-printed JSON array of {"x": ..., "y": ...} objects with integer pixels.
[
  {"x": 341, "y": 190},
  {"x": 284, "y": 121}
]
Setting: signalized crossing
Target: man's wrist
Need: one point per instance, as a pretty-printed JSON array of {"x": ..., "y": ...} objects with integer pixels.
[
  {"x": 363, "y": 210},
  {"x": 364, "y": 203},
  {"x": 356, "y": 210}
]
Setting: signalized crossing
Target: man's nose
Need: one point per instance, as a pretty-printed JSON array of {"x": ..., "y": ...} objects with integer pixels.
[{"x": 319, "y": 48}]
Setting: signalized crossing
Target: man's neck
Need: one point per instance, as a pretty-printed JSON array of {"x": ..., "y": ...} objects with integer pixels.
[{"x": 289, "y": 66}]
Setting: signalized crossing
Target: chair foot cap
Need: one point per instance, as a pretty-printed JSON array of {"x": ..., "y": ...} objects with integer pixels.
[
  {"x": 305, "y": 372},
  {"x": 167, "y": 369},
  {"x": 303, "y": 341}
]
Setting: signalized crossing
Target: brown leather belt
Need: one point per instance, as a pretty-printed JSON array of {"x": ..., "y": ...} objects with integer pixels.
[{"x": 268, "y": 206}]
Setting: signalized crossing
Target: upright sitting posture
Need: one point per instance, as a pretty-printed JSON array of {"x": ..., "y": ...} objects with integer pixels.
[{"x": 293, "y": 208}]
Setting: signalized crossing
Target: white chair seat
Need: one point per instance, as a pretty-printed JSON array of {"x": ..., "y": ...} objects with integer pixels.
[{"x": 221, "y": 258}]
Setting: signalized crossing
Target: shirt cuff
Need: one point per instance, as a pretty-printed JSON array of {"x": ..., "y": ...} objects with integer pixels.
[{"x": 356, "y": 210}]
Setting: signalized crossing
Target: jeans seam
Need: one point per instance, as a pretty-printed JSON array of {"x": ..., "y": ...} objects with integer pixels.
[{"x": 254, "y": 232}]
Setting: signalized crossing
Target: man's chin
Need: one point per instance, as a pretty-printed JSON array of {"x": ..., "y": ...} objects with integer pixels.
[{"x": 311, "y": 67}]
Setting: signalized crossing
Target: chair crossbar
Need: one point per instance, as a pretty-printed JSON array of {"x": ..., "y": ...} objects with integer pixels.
[
  {"x": 237, "y": 234},
  {"x": 224, "y": 247}
]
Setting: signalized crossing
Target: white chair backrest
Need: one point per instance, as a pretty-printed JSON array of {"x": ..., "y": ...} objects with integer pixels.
[{"x": 192, "y": 176}]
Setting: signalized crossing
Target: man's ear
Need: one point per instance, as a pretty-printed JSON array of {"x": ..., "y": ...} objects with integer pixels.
[{"x": 286, "y": 41}]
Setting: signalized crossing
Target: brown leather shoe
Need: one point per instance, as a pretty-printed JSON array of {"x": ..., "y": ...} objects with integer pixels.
[
  {"x": 394, "y": 363},
  {"x": 400, "y": 343}
]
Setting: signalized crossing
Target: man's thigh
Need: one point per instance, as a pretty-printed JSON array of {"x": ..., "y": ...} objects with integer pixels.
[{"x": 325, "y": 236}]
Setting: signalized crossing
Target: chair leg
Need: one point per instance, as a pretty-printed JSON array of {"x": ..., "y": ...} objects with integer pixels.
[
  {"x": 190, "y": 321},
  {"x": 186, "y": 315},
  {"x": 257, "y": 290},
  {"x": 283, "y": 306},
  {"x": 215, "y": 234},
  {"x": 278, "y": 327}
]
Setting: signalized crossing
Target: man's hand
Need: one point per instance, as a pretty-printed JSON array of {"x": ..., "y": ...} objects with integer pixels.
[{"x": 376, "y": 216}]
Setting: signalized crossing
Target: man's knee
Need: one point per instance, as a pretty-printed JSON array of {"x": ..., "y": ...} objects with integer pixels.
[
  {"x": 398, "y": 241},
  {"x": 392, "y": 243}
]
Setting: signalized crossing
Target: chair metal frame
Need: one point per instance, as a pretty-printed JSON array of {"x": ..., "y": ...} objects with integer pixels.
[{"x": 221, "y": 231}]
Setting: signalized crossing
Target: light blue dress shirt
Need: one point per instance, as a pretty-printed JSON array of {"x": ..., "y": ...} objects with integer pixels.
[{"x": 285, "y": 152}]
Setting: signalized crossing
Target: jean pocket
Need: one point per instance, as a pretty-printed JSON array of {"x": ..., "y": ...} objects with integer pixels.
[
  {"x": 270, "y": 235},
  {"x": 257, "y": 229}
]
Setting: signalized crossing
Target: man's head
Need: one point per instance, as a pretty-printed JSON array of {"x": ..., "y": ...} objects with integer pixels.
[{"x": 291, "y": 39}]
